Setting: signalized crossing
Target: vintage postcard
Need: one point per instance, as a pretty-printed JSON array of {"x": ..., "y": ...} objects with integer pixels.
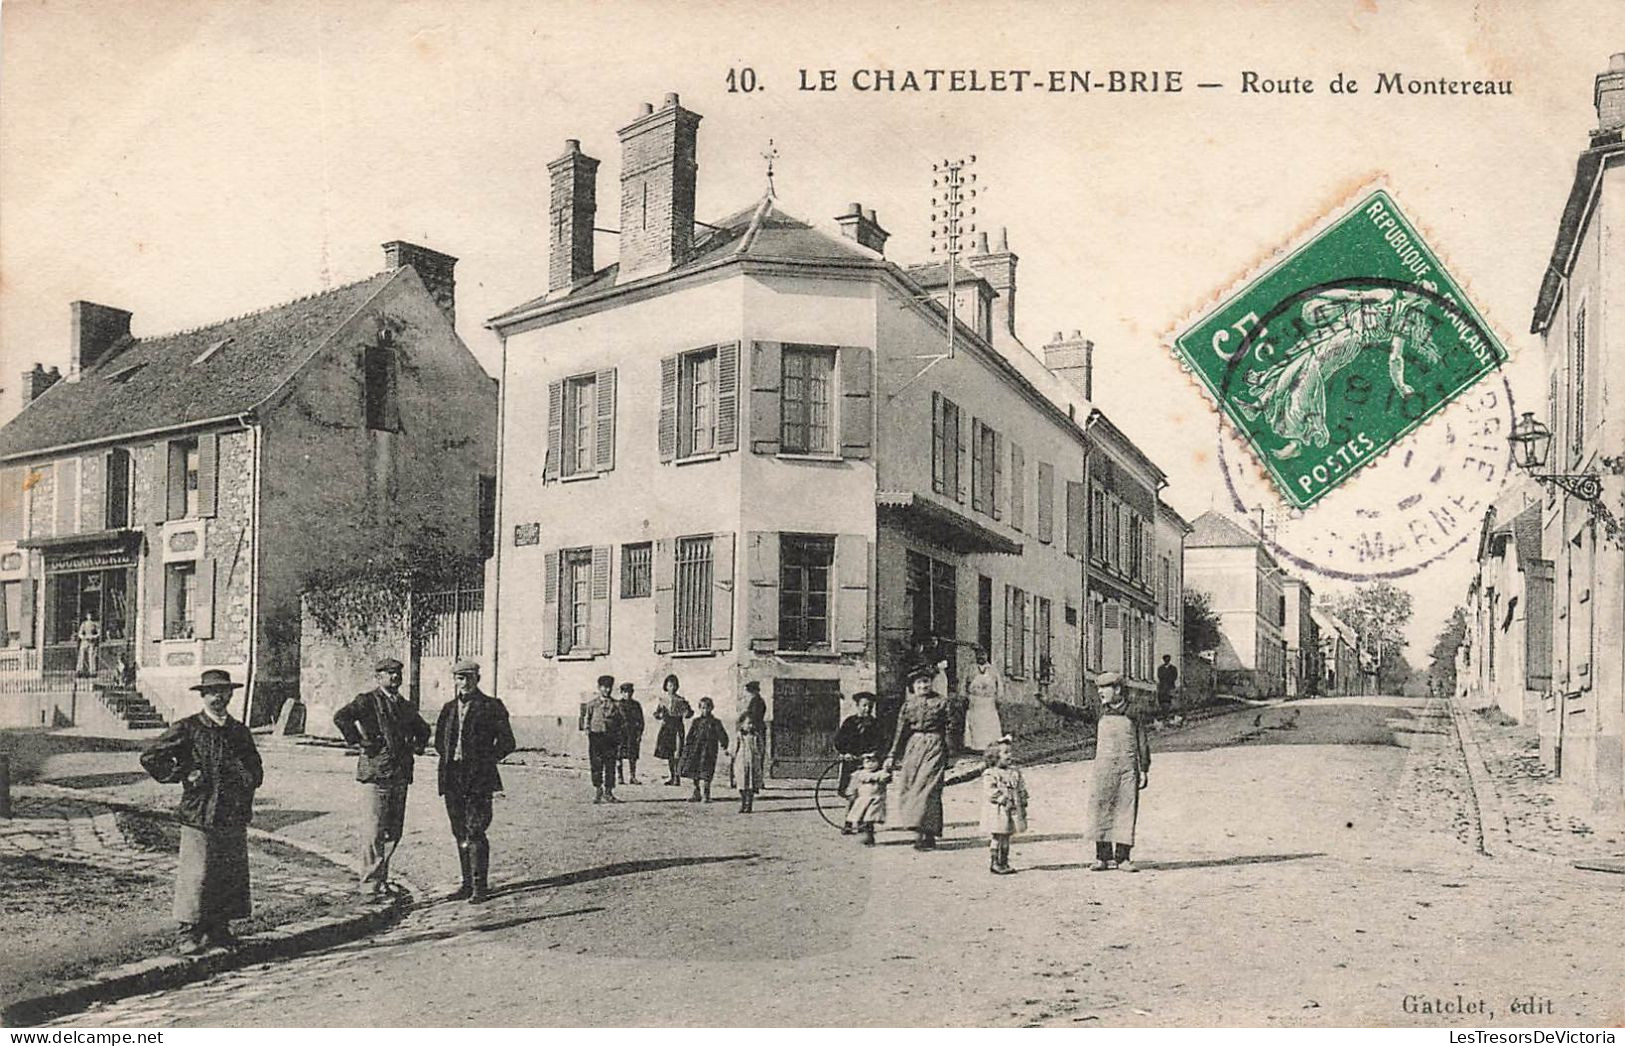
[{"x": 527, "y": 514}]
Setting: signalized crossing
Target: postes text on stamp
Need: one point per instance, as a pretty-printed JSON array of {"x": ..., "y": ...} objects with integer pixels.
[{"x": 1341, "y": 349}]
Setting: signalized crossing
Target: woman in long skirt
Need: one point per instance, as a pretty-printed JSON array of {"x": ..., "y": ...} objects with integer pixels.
[
  {"x": 1120, "y": 769},
  {"x": 919, "y": 755},
  {"x": 671, "y": 711}
]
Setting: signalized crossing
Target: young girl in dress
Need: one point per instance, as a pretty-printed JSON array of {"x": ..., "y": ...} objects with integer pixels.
[
  {"x": 868, "y": 807},
  {"x": 1005, "y": 812},
  {"x": 746, "y": 768}
]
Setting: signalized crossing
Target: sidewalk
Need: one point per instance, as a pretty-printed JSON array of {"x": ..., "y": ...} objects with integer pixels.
[{"x": 1526, "y": 810}]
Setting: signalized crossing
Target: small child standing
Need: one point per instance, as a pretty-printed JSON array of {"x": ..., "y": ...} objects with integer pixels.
[
  {"x": 745, "y": 770},
  {"x": 1005, "y": 812},
  {"x": 868, "y": 807}
]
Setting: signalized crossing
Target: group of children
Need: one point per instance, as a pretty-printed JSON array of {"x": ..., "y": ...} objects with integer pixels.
[{"x": 1004, "y": 806}]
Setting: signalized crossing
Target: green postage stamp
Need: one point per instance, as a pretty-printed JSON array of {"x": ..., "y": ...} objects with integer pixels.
[{"x": 1340, "y": 350}]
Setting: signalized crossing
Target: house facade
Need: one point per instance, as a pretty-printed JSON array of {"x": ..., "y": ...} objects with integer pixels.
[
  {"x": 1169, "y": 584},
  {"x": 181, "y": 489},
  {"x": 1581, "y": 322},
  {"x": 1509, "y": 612},
  {"x": 1339, "y": 654},
  {"x": 1303, "y": 670},
  {"x": 1245, "y": 584},
  {"x": 743, "y": 453}
]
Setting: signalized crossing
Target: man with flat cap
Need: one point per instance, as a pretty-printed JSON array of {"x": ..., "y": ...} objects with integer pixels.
[
  {"x": 601, "y": 719},
  {"x": 389, "y": 732},
  {"x": 472, "y": 735},
  {"x": 213, "y": 758},
  {"x": 1120, "y": 769}
]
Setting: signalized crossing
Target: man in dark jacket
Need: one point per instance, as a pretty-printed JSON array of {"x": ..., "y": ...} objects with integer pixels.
[
  {"x": 389, "y": 731},
  {"x": 212, "y": 756},
  {"x": 601, "y": 718},
  {"x": 472, "y": 735},
  {"x": 1167, "y": 680}
]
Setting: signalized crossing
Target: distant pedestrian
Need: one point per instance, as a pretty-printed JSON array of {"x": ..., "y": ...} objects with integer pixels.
[
  {"x": 858, "y": 734},
  {"x": 1167, "y": 681},
  {"x": 212, "y": 756},
  {"x": 745, "y": 769},
  {"x": 983, "y": 691},
  {"x": 1004, "y": 813},
  {"x": 919, "y": 756},
  {"x": 389, "y": 732},
  {"x": 705, "y": 738},
  {"x": 631, "y": 736},
  {"x": 472, "y": 735},
  {"x": 868, "y": 807},
  {"x": 1120, "y": 769},
  {"x": 601, "y": 719},
  {"x": 90, "y": 639},
  {"x": 671, "y": 711},
  {"x": 756, "y": 709}
]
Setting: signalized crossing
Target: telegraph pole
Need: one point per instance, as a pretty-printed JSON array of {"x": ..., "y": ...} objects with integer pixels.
[{"x": 953, "y": 210}]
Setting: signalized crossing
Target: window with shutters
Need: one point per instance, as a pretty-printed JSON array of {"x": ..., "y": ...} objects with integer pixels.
[
  {"x": 697, "y": 403},
  {"x": 806, "y": 400},
  {"x": 1018, "y": 633},
  {"x": 185, "y": 463},
  {"x": 946, "y": 443},
  {"x": 1578, "y": 383},
  {"x": 575, "y": 600},
  {"x": 180, "y": 600},
  {"x": 805, "y": 561},
  {"x": 693, "y": 576},
  {"x": 379, "y": 406},
  {"x": 932, "y": 589},
  {"x": 984, "y": 468},
  {"x": 637, "y": 570},
  {"x": 580, "y": 411}
]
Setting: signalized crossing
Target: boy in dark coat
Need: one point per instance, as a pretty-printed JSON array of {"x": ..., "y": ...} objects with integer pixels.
[
  {"x": 705, "y": 737},
  {"x": 601, "y": 719},
  {"x": 631, "y": 736}
]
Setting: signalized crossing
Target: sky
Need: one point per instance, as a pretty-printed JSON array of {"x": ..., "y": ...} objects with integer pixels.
[{"x": 191, "y": 161}]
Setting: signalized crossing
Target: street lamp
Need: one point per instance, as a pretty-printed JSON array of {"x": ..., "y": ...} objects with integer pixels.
[{"x": 1531, "y": 442}]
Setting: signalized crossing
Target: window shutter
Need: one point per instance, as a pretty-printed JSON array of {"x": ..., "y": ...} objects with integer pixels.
[
  {"x": 66, "y": 490},
  {"x": 960, "y": 471},
  {"x": 555, "y": 431},
  {"x": 977, "y": 467},
  {"x": 11, "y": 504},
  {"x": 151, "y": 502},
  {"x": 764, "y": 589},
  {"x": 766, "y": 361},
  {"x": 666, "y": 430},
  {"x": 598, "y": 599},
  {"x": 852, "y": 597},
  {"x": 857, "y": 420},
  {"x": 175, "y": 500},
  {"x": 203, "y": 613},
  {"x": 1018, "y": 486},
  {"x": 208, "y": 473},
  {"x": 93, "y": 493},
  {"x": 156, "y": 596},
  {"x": 939, "y": 454},
  {"x": 998, "y": 476},
  {"x": 727, "y": 398},
  {"x": 25, "y": 620},
  {"x": 1009, "y": 639},
  {"x": 722, "y": 591},
  {"x": 663, "y": 573},
  {"x": 1046, "y": 502},
  {"x": 604, "y": 422},
  {"x": 550, "y": 603},
  {"x": 1074, "y": 518}
]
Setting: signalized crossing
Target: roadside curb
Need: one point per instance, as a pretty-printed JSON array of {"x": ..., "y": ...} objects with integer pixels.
[
  {"x": 172, "y": 971},
  {"x": 1495, "y": 836}
]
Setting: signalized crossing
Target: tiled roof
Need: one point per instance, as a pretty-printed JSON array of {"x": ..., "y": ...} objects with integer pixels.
[
  {"x": 761, "y": 231},
  {"x": 935, "y": 274},
  {"x": 1606, "y": 148},
  {"x": 1211, "y": 530},
  {"x": 146, "y": 384}
]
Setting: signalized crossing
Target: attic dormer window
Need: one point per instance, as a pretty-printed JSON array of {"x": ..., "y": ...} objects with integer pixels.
[{"x": 379, "y": 367}]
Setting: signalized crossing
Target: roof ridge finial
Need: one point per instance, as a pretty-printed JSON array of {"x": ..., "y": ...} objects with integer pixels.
[{"x": 770, "y": 154}]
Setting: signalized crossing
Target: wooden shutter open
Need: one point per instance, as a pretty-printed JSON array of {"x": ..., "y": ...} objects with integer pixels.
[
  {"x": 722, "y": 591},
  {"x": 27, "y": 597},
  {"x": 1075, "y": 514},
  {"x": 666, "y": 430},
  {"x": 550, "y": 603},
  {"x": 852, "y": 593},
  {"x": 1018, "y": 486},
  {"x": 555, "y": 431},
  {"x": 157, "y": 595},
  {"x": 663, "y": 579},
  {"x": 93, "y": 492},
  {"x": 1046, "y": 502},
  {"x": 763, "y": 563},
  {"x": 604, "y": 421},
  {"x": 727, "y": 397},
  {"x": 175, "y": 488},
  {"x": 66, "y": 491},
  {"x": 598, "y": 600},
  {"x": 766, "y": 381},
  {"x": 998, "y": 475},
  {"x": 939, "y": 448},
  {"x": 960, "y": 470},
  {"x": 11, "y": 504},
  {"x": 208, "y": 473},
  {"x": 856, "y": 367},
  {"x": 203, "y": 611}
]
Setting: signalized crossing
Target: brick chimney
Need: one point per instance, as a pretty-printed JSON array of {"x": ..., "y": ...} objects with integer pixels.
[
  {"x": 432, "y": 267},
  {"x": 658, "y": 165},
  {"x": 998, "y": 268},
  {"x": 1610, "y": 96},
  {"x": 862, "y": 226},
  {"x": 1073, "y": 361},
  {"x": 36, "y": 381},
  {"x": 572, "y": 209},
  {"x": 94, "y": 329}
]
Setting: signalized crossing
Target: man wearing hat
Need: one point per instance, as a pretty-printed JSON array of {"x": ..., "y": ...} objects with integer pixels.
[
  {"x": 631, "y": 736},
  {"x": 1121, "y": 767},
  {"x": 472, "y": 735},
  {"x": 601, "y": 719},
  {"x": 389, "y": 732},
  {"x": 213, "y": 758}
]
